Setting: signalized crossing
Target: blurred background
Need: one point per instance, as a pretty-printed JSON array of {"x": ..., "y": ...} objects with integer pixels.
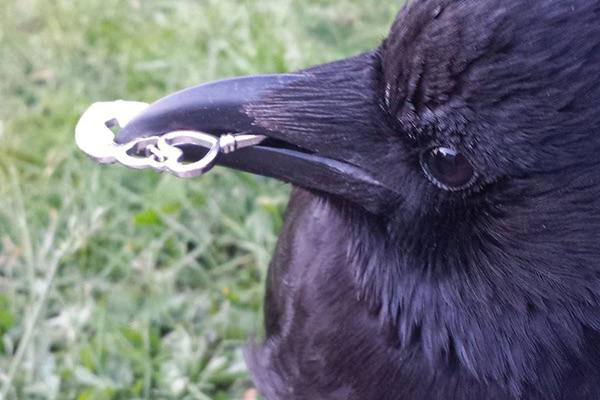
[{"x": 121, "y": 284}]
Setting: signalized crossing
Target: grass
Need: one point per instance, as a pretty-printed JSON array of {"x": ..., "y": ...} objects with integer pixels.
[{"x": 119, "y": 284}]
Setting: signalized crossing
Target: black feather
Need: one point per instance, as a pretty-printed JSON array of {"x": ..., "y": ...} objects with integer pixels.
[{"x": 490, "y": 293}]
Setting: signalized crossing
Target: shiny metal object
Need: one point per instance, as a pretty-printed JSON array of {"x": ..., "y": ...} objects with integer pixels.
[{"x": 95, "y": 136}]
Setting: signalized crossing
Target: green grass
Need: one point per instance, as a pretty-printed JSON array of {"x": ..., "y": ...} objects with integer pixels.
[{"x": 120, "y": 284}]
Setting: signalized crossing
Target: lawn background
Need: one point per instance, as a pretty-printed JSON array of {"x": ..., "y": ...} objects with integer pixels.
[{"x": 120, "y": 284}]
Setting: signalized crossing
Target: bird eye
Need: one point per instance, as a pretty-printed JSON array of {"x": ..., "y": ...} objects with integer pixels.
[{"x": 447, "y": 168}]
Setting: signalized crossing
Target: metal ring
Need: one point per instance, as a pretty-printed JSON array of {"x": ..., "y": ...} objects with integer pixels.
[
  {"x": 181, "y": 138},
  {"x": 123, "y": 154}
]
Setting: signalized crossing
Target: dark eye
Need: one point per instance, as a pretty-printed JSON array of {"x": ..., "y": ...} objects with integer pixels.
[{"x": 447, "y": 168}]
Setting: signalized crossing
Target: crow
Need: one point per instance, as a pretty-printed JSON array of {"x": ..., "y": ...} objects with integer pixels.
[{"x": 442, "y": 240}]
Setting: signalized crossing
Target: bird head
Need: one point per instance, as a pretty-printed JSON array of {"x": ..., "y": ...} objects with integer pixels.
[{"x": 464, "y": 154}]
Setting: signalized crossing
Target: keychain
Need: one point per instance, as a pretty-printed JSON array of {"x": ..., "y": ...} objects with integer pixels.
[{"x": 95, "y": 136}]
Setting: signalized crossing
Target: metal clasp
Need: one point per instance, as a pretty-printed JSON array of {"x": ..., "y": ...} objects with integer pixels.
[{"x": 160, "y": 153}]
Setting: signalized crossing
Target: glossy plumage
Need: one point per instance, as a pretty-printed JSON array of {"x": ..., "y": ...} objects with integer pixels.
[
  {"x": 385, "y": 284},
  {"x": 490, "y": 293}
]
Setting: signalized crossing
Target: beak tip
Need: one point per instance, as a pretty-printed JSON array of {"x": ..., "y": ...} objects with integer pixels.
[{"x": 127, "y": 134}]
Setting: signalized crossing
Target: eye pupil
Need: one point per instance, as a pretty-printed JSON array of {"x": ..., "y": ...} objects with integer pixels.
[{"x": 448, "y": 168}]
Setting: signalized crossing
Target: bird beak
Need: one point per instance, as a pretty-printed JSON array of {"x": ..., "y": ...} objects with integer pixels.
[{"x": 223, "y": 108}]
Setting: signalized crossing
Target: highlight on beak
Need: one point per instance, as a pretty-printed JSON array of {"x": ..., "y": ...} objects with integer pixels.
[{"x": 215, "y": 108}]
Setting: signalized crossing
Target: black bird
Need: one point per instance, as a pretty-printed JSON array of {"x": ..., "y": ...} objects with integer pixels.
[{"x": 443, "y": 241}]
